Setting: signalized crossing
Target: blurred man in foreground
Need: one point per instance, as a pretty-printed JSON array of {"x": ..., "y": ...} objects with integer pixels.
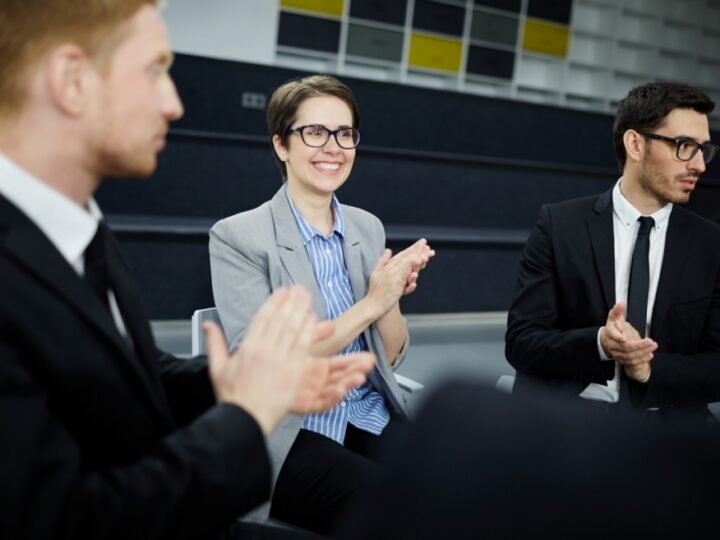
[{"x": 104, "y": 436}]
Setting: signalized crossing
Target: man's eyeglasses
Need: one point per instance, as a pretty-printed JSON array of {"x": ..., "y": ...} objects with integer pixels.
[
  {"x": 686, "y": 148},
  {"x": 317, "y": 135}
]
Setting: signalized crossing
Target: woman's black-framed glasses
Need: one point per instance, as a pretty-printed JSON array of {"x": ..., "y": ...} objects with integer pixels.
[
  {"x": 686, "y": 148},
  {"x": 317, "y": 135}
]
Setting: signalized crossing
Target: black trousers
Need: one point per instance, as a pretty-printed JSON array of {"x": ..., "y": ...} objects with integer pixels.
[{"x": 321, "y": 479}]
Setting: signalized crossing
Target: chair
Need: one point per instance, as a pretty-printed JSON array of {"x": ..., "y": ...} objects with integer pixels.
[
  {"x": 505, "y": 384},
  {"x": 211, "y": 314}
]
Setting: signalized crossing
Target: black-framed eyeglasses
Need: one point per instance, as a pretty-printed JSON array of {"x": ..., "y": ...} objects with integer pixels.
[
  {"x": 685, "y": 149},
  {"x": 317, "y": 135}
]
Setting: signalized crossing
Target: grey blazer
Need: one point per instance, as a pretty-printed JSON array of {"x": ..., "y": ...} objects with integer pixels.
[{"x": 255, "y": 252}]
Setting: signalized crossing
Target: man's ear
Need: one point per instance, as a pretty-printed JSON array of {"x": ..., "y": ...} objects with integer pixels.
[
  {"x": 635, "y": 145},
  {"x": 69, "y": 78},
  {"x": 280, "y": 150}
]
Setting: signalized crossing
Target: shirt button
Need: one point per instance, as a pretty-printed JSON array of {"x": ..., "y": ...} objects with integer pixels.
[
  {"x": 343, "y": 403},
  {"x": 329, "y": 283}
]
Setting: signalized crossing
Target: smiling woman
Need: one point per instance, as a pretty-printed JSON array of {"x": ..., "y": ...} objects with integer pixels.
[{"x": 304, "y": 236}]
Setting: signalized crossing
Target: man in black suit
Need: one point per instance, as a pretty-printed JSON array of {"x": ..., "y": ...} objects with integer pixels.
[
  {"x": 104, "y": 436},
  {"x": 618, "y": 296}
]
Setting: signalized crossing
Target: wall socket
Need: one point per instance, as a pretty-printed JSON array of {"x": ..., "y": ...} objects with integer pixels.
[{"x": 253, "y": 100}]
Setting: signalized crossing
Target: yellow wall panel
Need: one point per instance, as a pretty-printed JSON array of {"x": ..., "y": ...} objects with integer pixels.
[
  {"x": 435, "y": 53},
  {"x": 326, "y": 7},
  {"x": 546, "y": 38}
]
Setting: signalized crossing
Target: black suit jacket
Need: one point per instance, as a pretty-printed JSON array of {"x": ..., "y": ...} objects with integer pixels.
[
  {"x": 100, "y": 438},
  {"x": 566, "y": 287}
]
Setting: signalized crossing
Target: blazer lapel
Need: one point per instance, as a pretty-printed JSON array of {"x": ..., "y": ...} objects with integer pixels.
[
  {"x": 32, "y": 249},
  {"x": 292, "y": 251},
  {"x": 352, "y": 250},
  {"x": 671, "y": 270},
  {"x": 137, "y": 325},
  {"x": 131, "y": 306},
  {"x": 600, "y": 228}
]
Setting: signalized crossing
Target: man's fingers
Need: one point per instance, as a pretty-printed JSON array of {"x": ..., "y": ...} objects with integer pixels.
[
  {"x": 617, "y": 312},
  {"x": 264, "y": 315},
  {"x": 350, "y": 365},
  {"x": 323, "y": 330},
  {"x": 289, "y": 322},
  {"x": 615, "y": 333},
  {"x": 384, "y": 258},
  {"x": 635, "y": 352},
  {"x": 216, "y": 348}
]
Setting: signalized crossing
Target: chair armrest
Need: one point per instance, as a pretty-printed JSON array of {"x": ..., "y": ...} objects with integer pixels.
[{"x": 408, "y": 385}]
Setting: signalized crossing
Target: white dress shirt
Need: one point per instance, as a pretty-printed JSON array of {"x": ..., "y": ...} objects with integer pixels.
[
  {"x": 625, "y": 228},
  {"x": 67, "y": 225}
]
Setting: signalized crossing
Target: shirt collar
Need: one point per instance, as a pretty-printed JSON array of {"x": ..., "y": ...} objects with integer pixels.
[
  {"x": 307, "y": 231},
  {"x": 68, "y": 226},
  {"x": 628, "y": 214}
]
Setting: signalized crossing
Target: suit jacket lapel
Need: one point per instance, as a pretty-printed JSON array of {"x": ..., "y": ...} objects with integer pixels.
[
  {"x": 26, "y": 244},
  {"x": 32, "y": 249},
  {"x": 600, "y": 228},
  {"x": 137, "y": 324},
  {"x": 131, "y": 306},
  {"x": 352, "y": 250},
  {"x": 292, "y": 251},
  {"x": 671, "y": 270}
]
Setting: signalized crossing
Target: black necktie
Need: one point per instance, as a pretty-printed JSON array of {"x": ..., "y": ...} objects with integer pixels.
[
  {"x": 639, "y": 283},
  {"x": 96, "y": 272}
]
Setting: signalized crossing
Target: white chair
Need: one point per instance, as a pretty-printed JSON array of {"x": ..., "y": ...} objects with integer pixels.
[
  {"x": 211, "y": 314},
  {"x": 505, "y": 384}
]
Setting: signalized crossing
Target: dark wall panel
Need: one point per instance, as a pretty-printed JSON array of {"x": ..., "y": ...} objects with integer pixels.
[
  {"x": 494, "y": 28},
  {"x": 438, "y": 17},
  {"x": 398, "y": 116},
  {"x": 507, "y": 5},
  {"x": 386, "y": 11},
  {"x": 554, "y": 10},
  {"x": 490, "y": 62},
  {"x": 309, "y": 32},
  {"x": 468, "y": 172},
  {"x": 375, "y": 43}
]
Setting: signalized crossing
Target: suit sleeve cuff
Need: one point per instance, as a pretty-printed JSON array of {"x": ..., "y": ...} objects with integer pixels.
[{"x": 601, "y": 351}]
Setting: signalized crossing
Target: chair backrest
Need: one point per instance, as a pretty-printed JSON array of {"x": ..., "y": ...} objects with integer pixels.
[
  {"x": 505, "y": 384},
  {"x": 198, "y": 318}
]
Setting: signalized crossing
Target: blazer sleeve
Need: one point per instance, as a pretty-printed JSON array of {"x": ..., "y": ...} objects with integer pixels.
[
  {"x": 535, "y": 343},
  {"x": 240, "y": 279},
  {"x": 406, "y": 346},
  {"x": 194, "y": 481},
  {"x": 187, "y": 386}
]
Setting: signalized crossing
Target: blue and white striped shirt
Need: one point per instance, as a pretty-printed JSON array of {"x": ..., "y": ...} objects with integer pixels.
[{"x": 362, "y": 406}]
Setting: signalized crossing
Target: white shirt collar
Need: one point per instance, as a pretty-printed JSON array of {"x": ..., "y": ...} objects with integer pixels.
[
  {"x": 628, "y": 214},
  {"x": 68, "y": 226}
]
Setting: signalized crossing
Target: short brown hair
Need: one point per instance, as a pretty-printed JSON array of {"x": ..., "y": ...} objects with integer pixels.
[
  {"x": 30, "y": 28},
  {"x": 646, "y": 107},
  {"x": 286, "y": 99}
]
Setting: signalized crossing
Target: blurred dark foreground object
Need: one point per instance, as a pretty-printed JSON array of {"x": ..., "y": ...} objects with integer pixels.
[{"x": 479, "y": 464}]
